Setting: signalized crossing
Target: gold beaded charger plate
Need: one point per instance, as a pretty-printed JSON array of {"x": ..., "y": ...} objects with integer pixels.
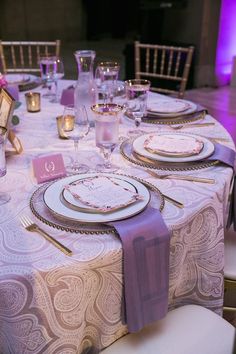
[
  {"x": 128, "y": 153},
  {"x": 34, "y": 81},
  {"x": 182, "y": 119},
  {"x": 140, "y": 146},
  {"x": 43, "y": 213}
]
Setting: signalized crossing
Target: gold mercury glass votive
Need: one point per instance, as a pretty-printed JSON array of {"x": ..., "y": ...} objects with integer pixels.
[
  {"x": 33, "y": 101},
  {"x": 68, "y": 123}
]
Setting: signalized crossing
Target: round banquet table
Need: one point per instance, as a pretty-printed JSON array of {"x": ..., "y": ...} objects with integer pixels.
[{"x": 52, "y": 303}]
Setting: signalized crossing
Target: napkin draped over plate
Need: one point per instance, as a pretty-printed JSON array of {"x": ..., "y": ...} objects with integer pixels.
[{"x": 146, "y": 246}]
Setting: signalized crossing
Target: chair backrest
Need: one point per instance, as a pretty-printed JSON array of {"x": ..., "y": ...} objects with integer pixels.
[
  {"x": 18, "y": 57},
  {"x": 167, "y": 67}
]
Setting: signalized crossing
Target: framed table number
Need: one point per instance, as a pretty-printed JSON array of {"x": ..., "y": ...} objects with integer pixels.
[{"x": 7, "y": 105}]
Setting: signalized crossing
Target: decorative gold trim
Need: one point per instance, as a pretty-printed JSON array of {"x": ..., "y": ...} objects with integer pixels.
[
  {"x": 171, "y": 120},
  {"x": 114, "y": 109},
  {"x": 148, "y": 163},
  {"x": 34, "y": 200}
]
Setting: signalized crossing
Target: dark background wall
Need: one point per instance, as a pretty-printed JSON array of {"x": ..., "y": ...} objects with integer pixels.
[{"x": 87, "y": 23}]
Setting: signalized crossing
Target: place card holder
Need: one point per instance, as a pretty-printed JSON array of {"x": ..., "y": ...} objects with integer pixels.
[{"x": 15, "y": 142}]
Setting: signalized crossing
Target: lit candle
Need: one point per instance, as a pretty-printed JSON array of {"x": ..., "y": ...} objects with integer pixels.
[
  {"x": 68, "y": 123},
  {"x": 32, "y": 101}
]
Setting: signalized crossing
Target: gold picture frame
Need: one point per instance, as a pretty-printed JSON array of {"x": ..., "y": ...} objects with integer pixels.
[{"x": 7, "y": 105}]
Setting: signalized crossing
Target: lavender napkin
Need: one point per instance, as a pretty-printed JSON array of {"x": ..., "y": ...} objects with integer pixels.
[
  {"x": 227, "y": 156},
  {"x": 14, "y": 91},
  {"x": 67, "y": 96},
  {"x": 145, "y": 240}
]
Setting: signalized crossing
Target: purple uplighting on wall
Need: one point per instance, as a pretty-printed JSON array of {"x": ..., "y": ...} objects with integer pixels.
[{"x": 226, "y": 45}]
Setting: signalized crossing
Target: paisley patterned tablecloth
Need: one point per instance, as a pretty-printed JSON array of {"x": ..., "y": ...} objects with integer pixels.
[{"x": 52, "y": 303}]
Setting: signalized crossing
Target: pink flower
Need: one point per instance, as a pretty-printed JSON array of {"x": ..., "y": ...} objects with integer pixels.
[{"x": 3, "y": 81}]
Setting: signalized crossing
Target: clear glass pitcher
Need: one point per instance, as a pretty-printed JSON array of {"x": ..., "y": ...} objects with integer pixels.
[{"x": 86, "y": 92}]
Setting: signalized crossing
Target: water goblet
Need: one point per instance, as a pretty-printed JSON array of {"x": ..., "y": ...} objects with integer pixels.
[
  {"x": 4, "y": 197},
  {"x": 75, "y": 126},
  {"x": 47, "y": 65},
  {"x": 136, "y": 101},
  {"x": 106, "y": 76},
  {"x": 58, "y": 75},
  {"x": 107, "y": 117}
]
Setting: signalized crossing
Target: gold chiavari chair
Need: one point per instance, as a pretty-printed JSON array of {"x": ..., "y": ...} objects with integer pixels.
[
  {"x": 23, "y": 56},
  {"x": 167, "y": 67}
]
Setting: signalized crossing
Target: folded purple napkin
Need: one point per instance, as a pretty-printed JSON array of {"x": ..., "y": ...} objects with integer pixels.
[
  {"x": 67, "y": 96},
  {"x": 14, "y": 91},
  {"x": 227, "y": 156},
  {"x": 145, "y": 240}
]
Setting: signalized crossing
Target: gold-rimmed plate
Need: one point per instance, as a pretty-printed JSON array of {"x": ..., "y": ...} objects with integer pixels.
[
  {"x": 139, "y": 148},
  {"x": 52, "y": 199},
  {"x": 77, "y": 204},
  {"x": 170, "y": 108}
]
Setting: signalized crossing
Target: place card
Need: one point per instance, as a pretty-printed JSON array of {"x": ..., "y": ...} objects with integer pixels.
[{"x": 48, "y": 168}]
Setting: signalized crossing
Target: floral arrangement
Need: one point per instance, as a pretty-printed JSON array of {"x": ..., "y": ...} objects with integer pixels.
[
  {"x": 3, "y": 81},
  {"x": 3, "y": 84}
]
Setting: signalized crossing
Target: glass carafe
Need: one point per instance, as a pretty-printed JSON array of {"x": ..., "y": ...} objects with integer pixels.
[{"x": 86, "y": 90}]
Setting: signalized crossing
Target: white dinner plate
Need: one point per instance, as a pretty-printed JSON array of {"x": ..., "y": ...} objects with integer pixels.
[
  {"x": 53, "y": 200},
  {"x": 21, "y": 79},
  {"x": 138, "y": 146},
  {"x": 17, "y": 78},
  {"x": 154, "y": 108},
  {"x": 169, "y": 106}
]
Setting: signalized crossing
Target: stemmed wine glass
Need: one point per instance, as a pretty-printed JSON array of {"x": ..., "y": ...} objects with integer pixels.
[
  {"x": 4, "y": 197},
  {"x": 106, "y": 76},
  {"x": 58, "y": 75},
  {"x": 75, "y": 125},
  {"x": 136, "y": 101},
  {"x": 107, "y": 117}
]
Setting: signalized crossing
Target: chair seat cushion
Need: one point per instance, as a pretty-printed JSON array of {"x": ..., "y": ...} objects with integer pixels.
[
  {"x": 230, "y": 254},
  {"x": 190, "y": 329}
]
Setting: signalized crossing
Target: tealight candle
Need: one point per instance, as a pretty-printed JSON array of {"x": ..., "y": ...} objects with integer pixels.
[
  {"x": 68, "y": 123},
  {"x": 32, "y": 101}
]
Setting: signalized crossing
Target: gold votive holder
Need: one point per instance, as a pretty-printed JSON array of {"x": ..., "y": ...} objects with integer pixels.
[
  {"x": 33, "y": 101},
  {"x": 68, "y": 123},
  {"x": 65, "y": 124}
]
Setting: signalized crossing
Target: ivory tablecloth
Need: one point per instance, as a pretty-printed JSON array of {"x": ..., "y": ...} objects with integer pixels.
[{"x": 52, "y": 303}]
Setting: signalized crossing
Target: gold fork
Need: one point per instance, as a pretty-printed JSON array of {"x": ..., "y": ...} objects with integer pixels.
[
  {"x": 181, "y": 177},
  {"x": 29, "y": 225}
]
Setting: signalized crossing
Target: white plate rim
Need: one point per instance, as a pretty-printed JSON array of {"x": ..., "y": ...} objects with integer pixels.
[
  {"x": 192, "y": 109},
  {"x": 207, "y": 150},
  {"x": 77, "y": 216}
]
